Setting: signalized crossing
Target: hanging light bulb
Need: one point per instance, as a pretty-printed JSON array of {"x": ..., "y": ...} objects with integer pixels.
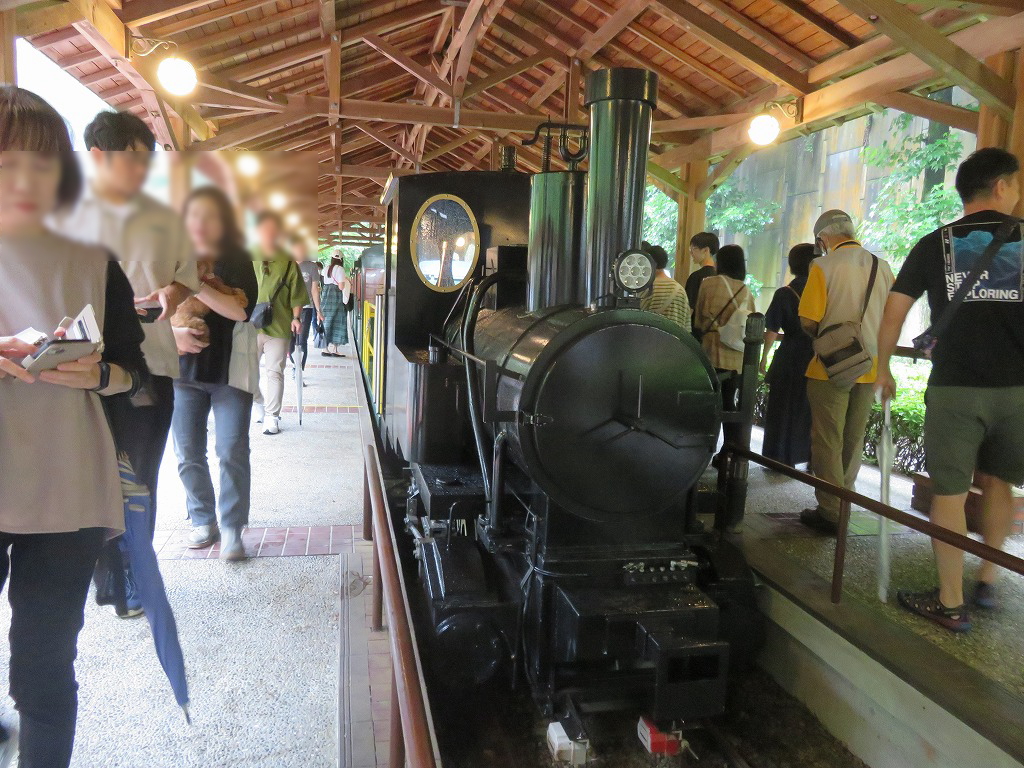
[
  {"x": 248, "y": 164},
  {"x": 764, "y": 129},
  {"x": 177, "y": 76},
  {"x": 292, "y": 219},
  {"x": 278, "y": 201}
]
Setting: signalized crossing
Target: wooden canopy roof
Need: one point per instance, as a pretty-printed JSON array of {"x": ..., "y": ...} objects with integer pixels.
[{"x": 377, "y": 88}]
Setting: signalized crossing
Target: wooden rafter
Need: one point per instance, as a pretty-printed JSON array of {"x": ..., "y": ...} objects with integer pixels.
[
  {"x": 956, "y": 117},
  {"x": 383, "y": 140},
  {"x": 406, "y": 62},
  {"x": 949, "y": 59},
  {"x": 822, "y": 22},
  {"x": 610, "y": 29},
  {"x": 478, "y": 29},
  {"x": 143, "y": 12},
  {"x": 759, "y": 32},
  {"x": 718, "y": 36},
  {"x": 352, "y": 34},
  {"x": 265, "y": 65}
]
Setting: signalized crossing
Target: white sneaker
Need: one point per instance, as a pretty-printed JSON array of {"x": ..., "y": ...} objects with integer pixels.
[
  {"x": 257, "y": 411},
  {"x": 273, "y": 426},
  {"x": 202, "y": 536},
  {"x": 231, "y": 545}
]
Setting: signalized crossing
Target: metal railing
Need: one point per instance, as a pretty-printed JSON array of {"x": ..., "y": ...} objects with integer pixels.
[
  {"x": 847, "y": 498},
  {"x": 411, "y": 743}
]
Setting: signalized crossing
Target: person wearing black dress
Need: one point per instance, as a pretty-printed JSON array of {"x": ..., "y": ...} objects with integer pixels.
[{"x": 787, "y": 424}]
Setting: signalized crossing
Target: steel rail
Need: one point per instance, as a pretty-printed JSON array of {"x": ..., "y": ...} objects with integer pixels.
[
  {"x": 848, "y": 498},
  {"x": 414, "y": 748}
]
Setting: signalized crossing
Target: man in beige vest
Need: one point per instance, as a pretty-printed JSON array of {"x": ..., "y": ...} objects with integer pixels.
[{"x": 835, "y": 293}]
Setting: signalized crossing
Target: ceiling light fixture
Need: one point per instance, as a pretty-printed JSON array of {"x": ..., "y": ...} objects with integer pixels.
[
  {"x": 277, "y": 200},
  {"x": 765, "y": 128},
  {"x": 177, "y": 75},
  {"x": 248, "y": 164}
]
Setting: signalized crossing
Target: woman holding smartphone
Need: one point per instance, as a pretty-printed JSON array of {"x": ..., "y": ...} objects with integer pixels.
[
  {"x": 60, "y": 490},
  {"x": 205, "y": 382}
]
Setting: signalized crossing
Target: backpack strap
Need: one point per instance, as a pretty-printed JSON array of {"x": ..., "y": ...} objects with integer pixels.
[{"x": 726, "y": 305}]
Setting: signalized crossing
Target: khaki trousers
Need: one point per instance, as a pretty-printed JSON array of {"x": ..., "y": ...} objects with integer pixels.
[
  {"x": 274, "y": 353},
  {"x": 838, "y": 422}
]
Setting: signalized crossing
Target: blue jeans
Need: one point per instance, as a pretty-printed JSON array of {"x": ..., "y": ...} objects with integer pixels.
[
  {"x": 49, "y": 580},
  {"x": 232, "y": 409}
]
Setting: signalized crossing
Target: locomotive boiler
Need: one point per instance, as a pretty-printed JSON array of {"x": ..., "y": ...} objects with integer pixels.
[{"x": 554, "y": 434}]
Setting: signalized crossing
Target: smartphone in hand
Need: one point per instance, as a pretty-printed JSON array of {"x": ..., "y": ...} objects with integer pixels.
[
  {"x": 149, "y": 311},
  {"x": 58, "y": 351}
]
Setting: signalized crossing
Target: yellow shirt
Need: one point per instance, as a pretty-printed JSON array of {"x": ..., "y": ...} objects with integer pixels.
[{"x": 835, "y": 293}]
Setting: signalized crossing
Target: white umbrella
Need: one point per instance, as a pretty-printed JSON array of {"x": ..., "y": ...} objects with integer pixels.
[
  {"x": 297, "y": 367},
  {"x": 885, "y": 454}
]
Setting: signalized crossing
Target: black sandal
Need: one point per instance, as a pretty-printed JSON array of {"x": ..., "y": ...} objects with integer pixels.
[{"x": 927, "y": 604}]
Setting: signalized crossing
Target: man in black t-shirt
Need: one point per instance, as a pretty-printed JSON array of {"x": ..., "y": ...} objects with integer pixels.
[
  {"x": 703, "y": 249},
  {"x": 975, "y": 399}
]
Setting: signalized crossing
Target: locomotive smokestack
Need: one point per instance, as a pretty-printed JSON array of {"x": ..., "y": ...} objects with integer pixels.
[{"x": 621, "y": 103}]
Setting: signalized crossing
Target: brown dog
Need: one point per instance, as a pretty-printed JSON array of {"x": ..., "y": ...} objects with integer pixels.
[{"x": 191, "y": 311}]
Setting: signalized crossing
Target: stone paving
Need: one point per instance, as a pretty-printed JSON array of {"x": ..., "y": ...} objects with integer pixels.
[{"x": 260, "y": 637}]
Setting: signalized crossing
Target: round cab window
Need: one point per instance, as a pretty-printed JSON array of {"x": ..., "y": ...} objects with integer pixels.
[{"x": 445, "y": 243}]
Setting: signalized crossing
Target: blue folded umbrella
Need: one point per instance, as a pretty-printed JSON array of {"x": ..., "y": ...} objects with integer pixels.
[{"x": 137, "y": 544}]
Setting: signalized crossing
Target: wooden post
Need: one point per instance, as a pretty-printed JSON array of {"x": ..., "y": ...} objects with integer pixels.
[
  {"x": 181, "y": 178},
  {"x": 1015, "y": 142},
  {"x": 993, "y": 130},
  {"x": 692, "y": 213},
  {"x": 8, "y": 67}
]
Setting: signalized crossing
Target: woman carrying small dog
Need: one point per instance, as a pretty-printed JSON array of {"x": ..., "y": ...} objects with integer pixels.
[{"x": 210, "y": 358}]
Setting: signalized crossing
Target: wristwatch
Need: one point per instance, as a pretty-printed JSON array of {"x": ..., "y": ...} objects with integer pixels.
[{"x": 104, "y": 377}]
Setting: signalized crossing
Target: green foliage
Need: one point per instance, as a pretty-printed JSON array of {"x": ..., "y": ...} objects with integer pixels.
[
  {"x": 734, "y": 210},
  {"x": 899, "y": 216},
  {"x": 907, "y": 418},
  {"x": 661, "y": 215},
  {"x": 755, "y": 285}
]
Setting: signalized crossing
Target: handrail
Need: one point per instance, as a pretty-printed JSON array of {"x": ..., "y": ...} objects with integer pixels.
[
  {"x": 411, "y": 742},
  {"x": 848, "y": 497}
]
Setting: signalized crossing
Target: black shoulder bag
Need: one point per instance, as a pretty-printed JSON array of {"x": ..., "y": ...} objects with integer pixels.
[
  {"x": 926, "y": 341},
  {"x": 263, "y": 312}
]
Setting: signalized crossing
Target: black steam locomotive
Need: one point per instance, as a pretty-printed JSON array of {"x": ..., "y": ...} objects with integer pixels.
[{"x": 553, "y": 434}]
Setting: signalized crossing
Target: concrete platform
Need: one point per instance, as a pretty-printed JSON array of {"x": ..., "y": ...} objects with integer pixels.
[
  {"x": 260, "y": 637},
  {"x": 896, "y": 688}
]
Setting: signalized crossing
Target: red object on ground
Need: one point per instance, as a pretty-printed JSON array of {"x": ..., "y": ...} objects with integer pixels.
[{"x": 656, "y": 741}]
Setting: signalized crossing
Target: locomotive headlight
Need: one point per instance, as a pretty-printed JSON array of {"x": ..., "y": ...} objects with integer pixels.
[{"x": 633, "y": 272}]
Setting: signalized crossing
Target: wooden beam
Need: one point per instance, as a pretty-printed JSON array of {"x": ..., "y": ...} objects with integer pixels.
[
  {"x": 699, "y": 123},
  {"x": 822, "y": 22},
  {"x": 611, "y": 28},
  {"x": 175, "y": 28},
  {"x": 672, "y": 50},
  {"x": 332, "y": 63},
  {"x": 258, "y": 96},
  {"x": 447, "y": 147},
  {"x": 354, "y": 109},
  {"x": 665, "y": 176},
  {"x": 743, "y": 21},
  {"x": 406, "y": 62},
  {"x": 944, "y": 56},
  {"x": 948, "y": 114},
  {"x": 573, "y": 80},
  {"x": 386, "y": 142},
  {"x": 388, "y": 22},
  {"x": 476, "y": 33},
  {"x": 265, "y": 65},
  {"x": 731, "y": 44},
  {"x": 870, "y": 51},
  {"x": 8, "y": 59},
  {"x": 249, "y": 131},
  {"x": 723, "y": 171},
  {"x": 378, "y": 172},
  {"x": 501, "y": 75},
  {"x": 234, "y": 33},
  {"x": 142, "y": 12},
  {"x": 906, "y": 71}
]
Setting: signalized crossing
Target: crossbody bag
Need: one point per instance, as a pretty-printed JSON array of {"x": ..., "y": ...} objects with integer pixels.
[
  {"x": 263, "y": 313},
  {"x": 841, "y": 347}
]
